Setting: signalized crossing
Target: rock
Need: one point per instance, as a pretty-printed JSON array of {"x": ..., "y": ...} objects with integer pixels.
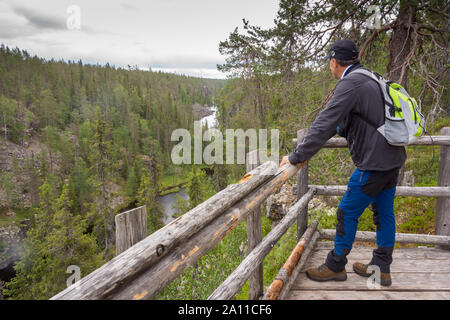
[
  {"x": 275, "y": 210},
  {"x": 13, "y": 159},
  {"x": 11, "y": 237},
  {"x": 278, "y": 204},
  {"x": 201, "y": 111}
]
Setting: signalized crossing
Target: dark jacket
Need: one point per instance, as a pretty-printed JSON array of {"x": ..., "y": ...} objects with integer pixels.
[{"x": 355, "y": 98}]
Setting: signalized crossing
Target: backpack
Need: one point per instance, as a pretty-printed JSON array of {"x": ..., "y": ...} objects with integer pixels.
[{"x": 403, "y": 121}]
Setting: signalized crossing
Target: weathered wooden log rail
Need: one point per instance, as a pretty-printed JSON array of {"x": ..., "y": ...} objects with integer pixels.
[
  {"x": 148, "y": 266},
  {"x": 168, "y": 252},
  {"x": 400, "y": 191},
  {"x": 441, "y": 140}
]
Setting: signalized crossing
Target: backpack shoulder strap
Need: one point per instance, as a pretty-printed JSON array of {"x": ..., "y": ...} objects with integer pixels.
[
  {"x": 369, "y": 74},
  {"x": 383, "y": 85},
  {"x": 377, "y": 78}
]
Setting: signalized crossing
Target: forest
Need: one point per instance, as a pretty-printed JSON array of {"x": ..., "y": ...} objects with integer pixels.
[
  {"x": 81, "y": 143},
  {"x": 96, "y": 139}
]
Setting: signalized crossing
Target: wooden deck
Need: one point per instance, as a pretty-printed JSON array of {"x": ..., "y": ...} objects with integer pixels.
[{"x": 417, "y": 273}]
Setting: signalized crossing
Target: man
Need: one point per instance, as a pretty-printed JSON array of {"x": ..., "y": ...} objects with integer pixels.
[{"x": 357, "y": 106}]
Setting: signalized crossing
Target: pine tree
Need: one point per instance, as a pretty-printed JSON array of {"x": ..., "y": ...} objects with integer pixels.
[
  {"x": 56, "y": 241},
  {"x": 147, "y": 195},
  {"x": 8, "y": 109},
  {"x": 199, "y": 188},
  {"x": 50, "y": 110},
  {"x": 194, "y": 187},
  {"x": 101, "y": 166},
  {"x": 82, "y": 186},
  {"x": 132, "y": 183}
]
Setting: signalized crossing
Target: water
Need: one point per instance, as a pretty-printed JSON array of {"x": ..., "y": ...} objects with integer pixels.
[
  {"x": 168, "y": 200},
  {"x": 211, "y": 119}
]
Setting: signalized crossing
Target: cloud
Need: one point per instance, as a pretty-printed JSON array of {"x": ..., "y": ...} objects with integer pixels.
[
  {"x": 18, "y": 21},
  {"x": 193, "y": 72},
  {"x": 128, "y": 6},
  {"x": 12, "y": 25},
  {"x": 191, "y": 61},
  {"x": 40, "y": 20},
  {"x": 170, "y": 35}
]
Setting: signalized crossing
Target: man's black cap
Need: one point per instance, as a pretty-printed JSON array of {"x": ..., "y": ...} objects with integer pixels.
[{"x": 343, "y": 50}]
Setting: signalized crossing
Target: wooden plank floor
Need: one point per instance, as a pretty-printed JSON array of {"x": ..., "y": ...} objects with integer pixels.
[{"x": 417, "y": 273}]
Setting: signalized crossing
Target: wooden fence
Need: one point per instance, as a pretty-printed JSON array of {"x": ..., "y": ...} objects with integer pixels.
[
  {"x": 148, "y": 266},
  {"x": 131, "y": 227}
]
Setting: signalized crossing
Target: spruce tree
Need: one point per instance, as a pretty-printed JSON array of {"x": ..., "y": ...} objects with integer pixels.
[
  {"x": 148, "y": 192},
  {"x": 100, "y": 158},
  {"x": 56, "y": 240}
]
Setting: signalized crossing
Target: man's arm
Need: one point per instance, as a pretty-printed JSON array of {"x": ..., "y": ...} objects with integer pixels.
[{"x": 324, "y": 127}]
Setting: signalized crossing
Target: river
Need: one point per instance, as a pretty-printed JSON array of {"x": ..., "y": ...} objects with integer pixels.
[
  {"x": 169, "y": 199},
  {"x": 211, "y": 120}
]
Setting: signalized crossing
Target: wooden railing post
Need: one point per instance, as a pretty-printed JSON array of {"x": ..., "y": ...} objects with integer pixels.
[
  {"x": 442, "y": 219},
  {"x": 254, "y": 235},
  {"x": 302, "y": 188},
  {"x": 131, "y": 227}
]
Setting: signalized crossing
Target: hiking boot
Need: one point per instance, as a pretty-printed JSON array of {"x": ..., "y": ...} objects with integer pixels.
[
  {"x": 323, "y": 273},
  {"x": 361, "y": 269}
]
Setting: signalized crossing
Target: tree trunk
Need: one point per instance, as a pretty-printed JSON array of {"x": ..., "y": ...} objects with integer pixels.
[
  {"x": 4, "y": 123},
  {"x": 400, "y": 46},
  {"x": 260, "y": 104},
  {"x": 400, "y": 42}
]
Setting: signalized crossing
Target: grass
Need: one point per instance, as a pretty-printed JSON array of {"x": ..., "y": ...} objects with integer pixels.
[
  {"x": 276, "y": 257},
  {"x": 173, "y": 179}
]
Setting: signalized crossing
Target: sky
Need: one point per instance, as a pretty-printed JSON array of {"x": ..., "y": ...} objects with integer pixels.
[{"x": 180, "y": 36}]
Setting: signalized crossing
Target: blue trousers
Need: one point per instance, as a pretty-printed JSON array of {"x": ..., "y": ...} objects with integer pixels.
[{"x": 375, "y": 188}]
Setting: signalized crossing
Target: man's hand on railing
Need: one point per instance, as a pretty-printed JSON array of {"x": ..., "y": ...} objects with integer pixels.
[{"x": 284, "y": 161}]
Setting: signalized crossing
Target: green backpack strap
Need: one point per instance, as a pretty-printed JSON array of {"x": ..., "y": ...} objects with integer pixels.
[{"x": 381, "y": 82}]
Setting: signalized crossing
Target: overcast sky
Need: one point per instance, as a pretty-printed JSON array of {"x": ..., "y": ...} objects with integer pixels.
[{"x": 172, "y": 35}]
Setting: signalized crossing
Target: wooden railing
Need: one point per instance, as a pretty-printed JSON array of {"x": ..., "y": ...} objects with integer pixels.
[
  {"x": 284, "y": 280},
  {"x": 441, "y": 191},
  {"x": 147, "y": 267}
]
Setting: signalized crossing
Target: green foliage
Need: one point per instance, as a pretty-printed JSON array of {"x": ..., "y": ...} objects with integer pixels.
[
  {"x": 195, "y": 186},
  {"x": 132, "y": 183},
  {"x": 10, "y": 126},
  {"x": 51, "y": 112},
  {"x": 56, "y": 241},
  {"x": 10, "y": 188},
  {"x": 415, "y": 215},
  {"x": 82, "y": 185},
  {"x": 147, "y": 195},
  {"x": 181, "y": 206},
  {"x": 199, "y": 281},
  {"x": 85, "y": 136}
]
